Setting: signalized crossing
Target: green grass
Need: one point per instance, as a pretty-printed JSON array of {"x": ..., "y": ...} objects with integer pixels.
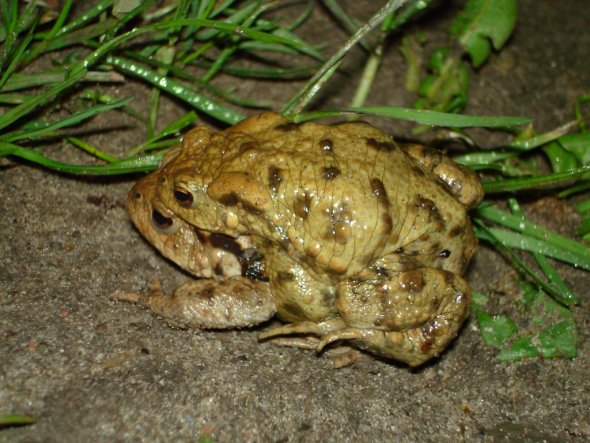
[{"x": 181, "y": 49}]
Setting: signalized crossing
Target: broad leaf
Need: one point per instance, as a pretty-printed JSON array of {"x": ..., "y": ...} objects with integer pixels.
[{"x": 484, "y": 23}]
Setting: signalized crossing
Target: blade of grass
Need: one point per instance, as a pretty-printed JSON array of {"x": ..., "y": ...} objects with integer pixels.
[
  {"x": 177, "y": 89},
  {"x": 47, "y": 38},
  {"x": 20, "y": 81},
  {"x": 484, "y": 233},
  {"x": 15, "y": 27},
  {"x": 549, "y": 180},
  {"x": 16, "y": 57},
  {"x": 138, "y": 164},
  {"x": 87, "y": 16},
  {"x": 543, "y": 139},
  {"x": 70, "y": 120},
  {"x": 14, "y": 99},
  {"x": 550, "y": 272},
  {"x": 16, "y": 420},
  {"x": 74, "y": 38},
  {"x": 126, "y": 18},
  {"x": 170, "y": 130},
  {"x": 308, "y": 91},
  {"x": 516, "y": 240},
  {"x": 530, "y": 229},
  {"x": 228, "y": 51},
  {"x": 92, "y": 150},
  {"x": 421, "y": 116}
]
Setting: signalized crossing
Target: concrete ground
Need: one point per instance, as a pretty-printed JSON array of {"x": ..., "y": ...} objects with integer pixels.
[{"x": 90, "y": 369}]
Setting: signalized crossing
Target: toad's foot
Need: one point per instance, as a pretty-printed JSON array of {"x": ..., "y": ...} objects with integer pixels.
[
  {"x": 208, "y": 304},
  {"x": 306, "y": 331},
  {"x": 303, "y": 328}
]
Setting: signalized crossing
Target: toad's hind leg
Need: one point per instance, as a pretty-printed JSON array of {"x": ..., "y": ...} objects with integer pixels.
[
  {"x": 208, "y": 304},
  {"x": 410, "y": 317}
]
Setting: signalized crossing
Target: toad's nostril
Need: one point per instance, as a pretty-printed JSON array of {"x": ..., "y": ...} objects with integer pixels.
[{"x": 160, "y": 220}]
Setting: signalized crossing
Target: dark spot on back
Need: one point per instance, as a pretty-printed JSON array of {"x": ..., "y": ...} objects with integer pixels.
[
  {"x": 381, "y": 270},
  {"x": 246, "y": 146},
  {"x": 425, "y": 203},
  {"x": 275, "y": 176},
  {"x": 411, "y": 281},
  {"x": 232, "y": 199},
  {"x": 380, "y": 145},
  {"x": 433, "y": 214},
  {"x": 445, "y": 253},
  {"x": 399, "y": 251},
  {"x": 229, "y": 199},
  {"x": 449, "y": 278},
  {"x": 330, "y": 172},
  {"x": 456, "y": 230},
  {"x": 285, "y": 276},
  {"x": 387, "y": 223},
  {"x": 327, "y": 145},
  {"x": 379, "y": 191},
  {"x": 302, "y": 204},
  {"x": 287, "y": 127}
]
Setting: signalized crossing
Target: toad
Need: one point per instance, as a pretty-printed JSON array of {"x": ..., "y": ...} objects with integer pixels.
[{"x": 360, "y": 239}]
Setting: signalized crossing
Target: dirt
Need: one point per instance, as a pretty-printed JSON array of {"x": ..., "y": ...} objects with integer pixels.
[{"x": 90, "y": 369}]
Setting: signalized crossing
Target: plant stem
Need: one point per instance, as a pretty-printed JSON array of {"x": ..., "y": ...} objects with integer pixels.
[{"x": 308, "y": 91}]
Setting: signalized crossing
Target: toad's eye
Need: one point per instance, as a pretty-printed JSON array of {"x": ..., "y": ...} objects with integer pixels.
[
  {"x": 183, "y": 196},
  {"x": 160, "y": 220}
]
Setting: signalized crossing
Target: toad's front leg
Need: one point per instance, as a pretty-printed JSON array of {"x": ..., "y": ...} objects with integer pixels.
[
  {"x": 208, "y": 304},
  {"x": 411, "y": 316}
]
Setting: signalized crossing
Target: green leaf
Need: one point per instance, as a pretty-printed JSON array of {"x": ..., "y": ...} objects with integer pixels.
[
  {"x": 496, "y": 329},
  {"x": 522, "y": 348},
  {"x": 578, "y": 145},
  {"x": 561, "y": 160},
  {"x": 478, "y": 299},
  {"x": 447, "y": 88},
  {"x": 484, "y": 23},
  {"x": 558, "y": 340}
]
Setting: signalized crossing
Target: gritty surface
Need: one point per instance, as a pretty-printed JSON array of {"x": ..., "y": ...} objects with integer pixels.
[{"x": 89, "y": 368}]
